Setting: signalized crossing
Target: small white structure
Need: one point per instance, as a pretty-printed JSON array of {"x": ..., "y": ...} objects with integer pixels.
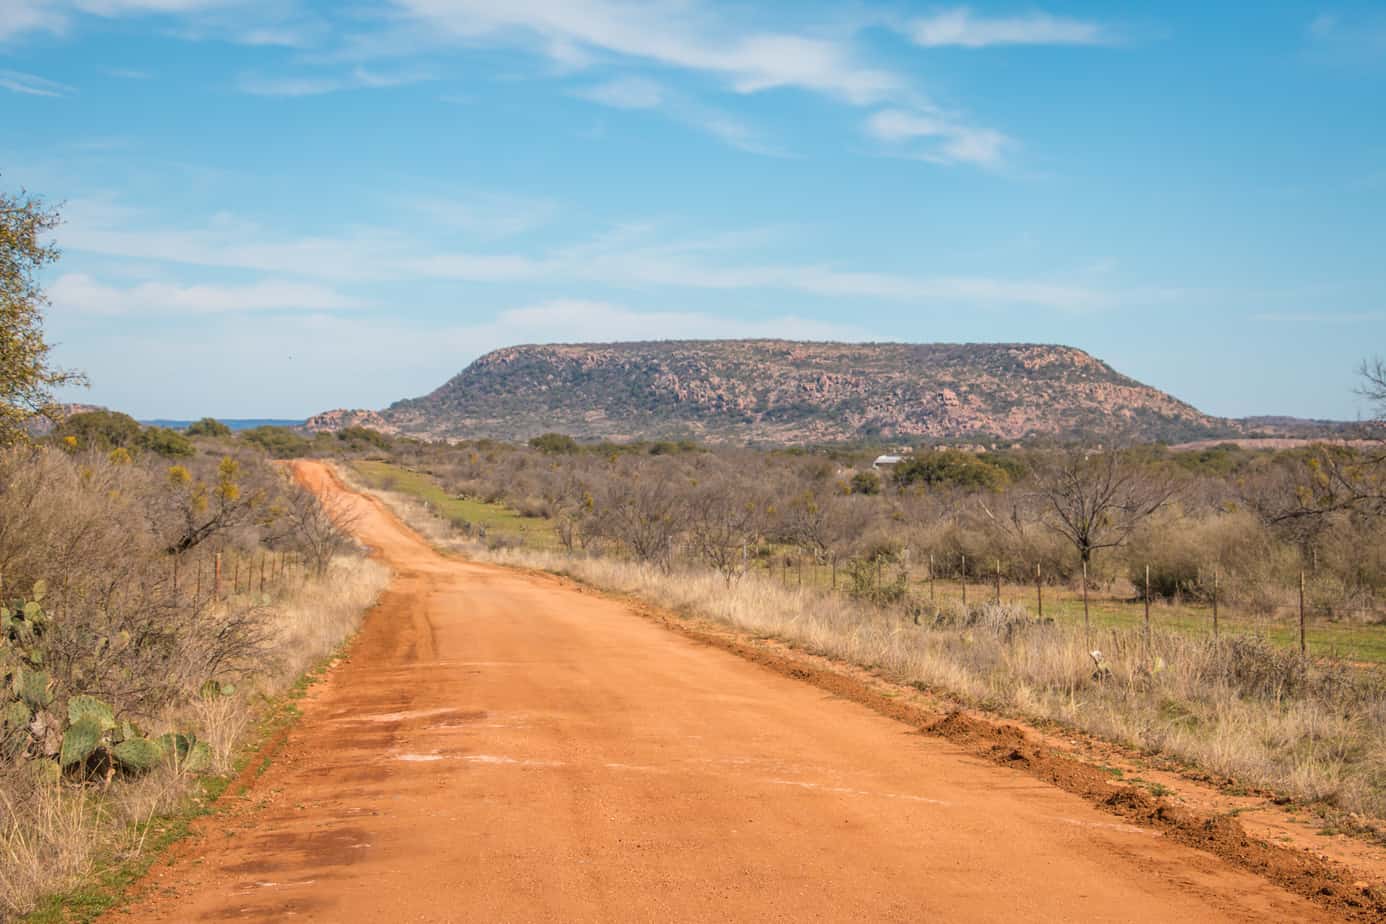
[{"x": 886, "y": 462}]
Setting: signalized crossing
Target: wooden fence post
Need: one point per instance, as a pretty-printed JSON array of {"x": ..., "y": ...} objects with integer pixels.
[
  {"x": 1087, "y": 623},
  {"x": 964, "y": 581},
  {"x": 1303, "y": 646},
  {"x": 933, "y": 600},
  {"x": 1215, "y": 603},
  {"x": 1147, "y": 612},
  {"x": 834, "y": 566},
  {"x": 998, "y": 581},
  {"x": 1039, "y": 591},
  {"x": 216, "y": 579}
]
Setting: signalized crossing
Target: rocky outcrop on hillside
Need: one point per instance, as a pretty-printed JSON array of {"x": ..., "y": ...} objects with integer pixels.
[
  {"x": 342, "y": 418},
  {"x": 776, "y": 391}
]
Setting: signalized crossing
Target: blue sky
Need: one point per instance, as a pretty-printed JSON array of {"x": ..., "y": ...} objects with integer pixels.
[{"x": 273, "y": 208}]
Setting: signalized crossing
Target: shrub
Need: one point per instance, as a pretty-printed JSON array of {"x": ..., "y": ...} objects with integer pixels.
[
  {"x": 866, "y": 483},
  {"x": 364, "y": 436},
  {"x": 165, "y": 442},
  {"x": 208, "y": 426},
  {"x": 100, "y": 430},
  {"x": 554, "y": 443},
  {"x": 279, "y": 442}
]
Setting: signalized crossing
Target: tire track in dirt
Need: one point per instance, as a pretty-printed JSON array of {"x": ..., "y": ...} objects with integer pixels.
[{"x": 497, "y": 746}]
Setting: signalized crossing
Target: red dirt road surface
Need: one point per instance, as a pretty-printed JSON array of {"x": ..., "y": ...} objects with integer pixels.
[{"x": 499, "y": 746}]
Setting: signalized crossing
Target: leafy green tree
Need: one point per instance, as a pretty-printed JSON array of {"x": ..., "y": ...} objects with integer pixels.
[
  {"x": 208, "y": 426},
  {"x": 556, "y": 443},
  {"x": 950, "y": 468},
  {"x": 165, "y": 442},
  {"x": 27, "y": 378},
  {"x": 100, "y": 430}
]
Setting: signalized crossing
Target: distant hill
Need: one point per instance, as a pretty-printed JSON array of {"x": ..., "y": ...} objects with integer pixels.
[{"x": 777, "y": 391}]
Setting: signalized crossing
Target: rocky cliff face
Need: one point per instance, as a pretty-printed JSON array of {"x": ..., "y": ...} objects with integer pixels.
[{"x": 790, "y": 392}]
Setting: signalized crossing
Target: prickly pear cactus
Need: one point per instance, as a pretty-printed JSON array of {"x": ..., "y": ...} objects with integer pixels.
[
  {"x": 138, "y": 754},
  {"x": 199, "y": 758},
  {"x": 34, "y": 687},
  {"x": 67, "y": 734},
  {"x": 177, "y": 745},
  {"x": 80, "y": 741},
  {"x": 16, "y": 715},
  {"x": 89, "y": 707}
]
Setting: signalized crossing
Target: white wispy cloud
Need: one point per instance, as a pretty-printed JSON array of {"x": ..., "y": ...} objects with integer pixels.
[
  {"x": 358, "y": 78},
  {"x": 247, "y": 22},
  {"x": 724, "y": 43},
  {"x": 32, "y": 85},
  {"x": 79, "y": 293},
  {"x": 702, "y": 38},
  {"x": 953, "y": 142},
  {"x": 484, "y": 214},
  {"x": 959, "y": 27},
  {"x": 673, "y": 33},
  {"x": 625, "y": 93},
  {"x": 1350, "y": 39},
  {"x": 640, "y": 93},
  {"x": 18, "y": 17},
  {"x": 632, "y": 257}
]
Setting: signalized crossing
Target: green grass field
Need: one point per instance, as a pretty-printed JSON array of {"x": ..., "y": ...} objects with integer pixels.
[
  {"x": 498, "y": 519},
  {"x": 1355, "y": 642}
]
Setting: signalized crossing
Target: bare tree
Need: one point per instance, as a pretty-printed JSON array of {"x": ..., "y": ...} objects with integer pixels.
[
  {"x": 644, "y": 510},
  {"x": 822, "y": 523},
  {"x": 318, "y": 528},
  {"x": 1095, "y": 499},
  {"x": 725, "y": 518},
  {"x": 1373, "y": 387}
]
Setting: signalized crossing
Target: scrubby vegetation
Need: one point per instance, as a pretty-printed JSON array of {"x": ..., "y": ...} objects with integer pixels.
[
  {"x": 150, "y": 604},
  {"x": 1241, "y": 524}
]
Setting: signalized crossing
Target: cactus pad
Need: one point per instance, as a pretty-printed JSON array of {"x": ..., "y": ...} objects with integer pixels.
[
  {"x": 79, "y": 741},
  {"x": 138, "y": 754},
  {"x": 89, "y": 707},
  {"x": 32, "y": 687}
]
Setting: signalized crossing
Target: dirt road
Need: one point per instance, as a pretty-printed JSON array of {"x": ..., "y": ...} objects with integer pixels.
[{"x": 501, "y": 747}]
